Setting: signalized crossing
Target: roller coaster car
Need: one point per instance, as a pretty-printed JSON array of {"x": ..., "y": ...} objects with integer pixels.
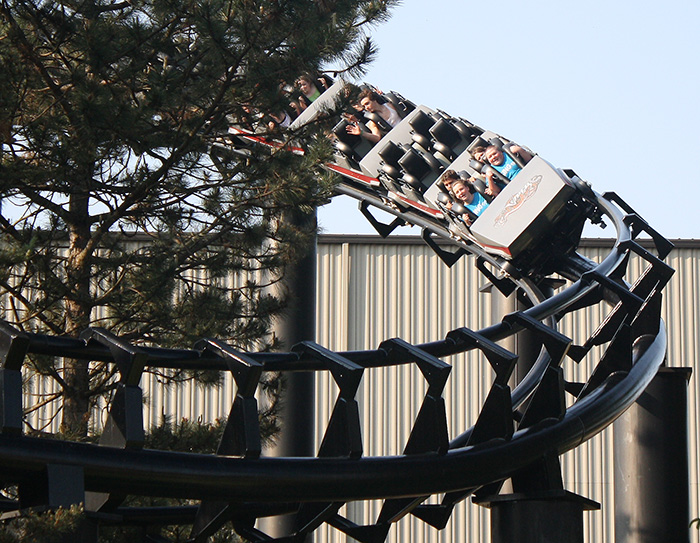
[{"x": 536, "y": 219}]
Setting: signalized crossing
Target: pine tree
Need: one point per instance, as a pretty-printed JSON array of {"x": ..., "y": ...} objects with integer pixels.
[{"x": 112, "y": 207}]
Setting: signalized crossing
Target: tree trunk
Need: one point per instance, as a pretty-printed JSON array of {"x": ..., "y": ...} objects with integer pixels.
[{"x": 78, "y": 305}]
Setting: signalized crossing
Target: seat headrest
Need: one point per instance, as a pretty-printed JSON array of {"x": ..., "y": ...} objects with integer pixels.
[
  {"x": 421, "y": 122},
  {"x": 391, "y": 153},
  {"x": 340, "y": 131},
  {"x": 414, "y": 164},
  {"x": 445, "y": 133}
]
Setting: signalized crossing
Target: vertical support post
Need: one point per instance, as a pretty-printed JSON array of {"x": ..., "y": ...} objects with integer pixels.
[
  {"x": 13, "y": 349},
  {"x": 528, "y": 345},
  {"x": 533, "y": 506},
  {"x": 525, "y": 343},
  {"x": 652, "y": 503},
  {"x": 296, "y": 325},
  {"x": 550, "y": 517},
  {"x": 58, "y": 485},
  {"x": 500, "y": 307}
]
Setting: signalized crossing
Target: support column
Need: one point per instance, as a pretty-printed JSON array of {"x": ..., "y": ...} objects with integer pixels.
[
  {"x": 298, "y": 324},
  {"x": 525, "y": 343},
  {"x": 546, "y": 517},
  {"x": 652, "y": 503},
  {"x": 533, "y": 506}
]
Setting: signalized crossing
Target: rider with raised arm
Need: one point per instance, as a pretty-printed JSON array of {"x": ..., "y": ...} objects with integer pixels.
[
  {"x": 503, "y": 163},
  {"x": 309, "y": 90},
  {"x": 371, "y": 103}
]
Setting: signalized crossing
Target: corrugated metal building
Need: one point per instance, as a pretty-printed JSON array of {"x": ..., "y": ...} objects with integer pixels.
[{"x": 370, "y": 289}]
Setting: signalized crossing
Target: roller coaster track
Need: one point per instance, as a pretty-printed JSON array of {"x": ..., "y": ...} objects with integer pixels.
[{"x": 516, "y": 429}]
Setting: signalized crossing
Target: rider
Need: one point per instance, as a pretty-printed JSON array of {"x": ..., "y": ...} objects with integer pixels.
[
  {"x": 309, "y": 90},
  {"x": 503, "y": 163},
  {"x": 467, "y": 195},
  {"x": 371, "y": 102}
]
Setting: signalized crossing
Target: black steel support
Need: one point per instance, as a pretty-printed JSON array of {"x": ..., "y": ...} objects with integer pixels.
[
  {"x": 550, "y": 517},
  {"x": 296, "y": 325},
  {"x": 241, "y": 435},
  {"x": 343, "y": 437},
  {"x": 382, "y": 229},
  {"x": 450, "y": 258},
  {"x": 13, "y": 348},
  {"x": 57, "y": 486},
  {"x": 124, "y": 425},
  {"x": 651, "y": 463}
]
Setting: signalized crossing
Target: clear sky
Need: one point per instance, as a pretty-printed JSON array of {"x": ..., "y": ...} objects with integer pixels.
[{"x": 608, "y": 88}]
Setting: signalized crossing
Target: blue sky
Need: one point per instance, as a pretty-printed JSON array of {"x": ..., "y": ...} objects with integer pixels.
[{"x": 608, "y": 89}]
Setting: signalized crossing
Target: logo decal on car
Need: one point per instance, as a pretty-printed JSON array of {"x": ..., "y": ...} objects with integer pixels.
[{"x": 517, "y": 200}]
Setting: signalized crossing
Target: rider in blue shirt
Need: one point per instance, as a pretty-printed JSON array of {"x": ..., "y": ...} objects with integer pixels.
[
  {"x": 507, "y": 167},
  {"x": 504, "y": 164},
  {"x": 471, "y": 199}
]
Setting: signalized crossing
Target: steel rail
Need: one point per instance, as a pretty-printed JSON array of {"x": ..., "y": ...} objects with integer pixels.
[{"x": 161, "y": 473}]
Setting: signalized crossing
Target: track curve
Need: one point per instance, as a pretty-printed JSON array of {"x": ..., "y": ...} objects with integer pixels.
[{"x": 314, "y": 489}]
